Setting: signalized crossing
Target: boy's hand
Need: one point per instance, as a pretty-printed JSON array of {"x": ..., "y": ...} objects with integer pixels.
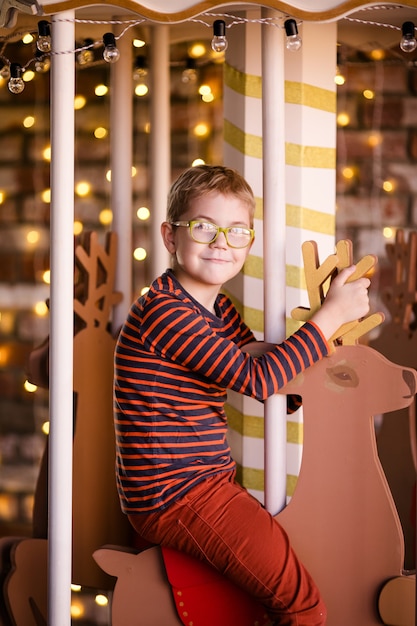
[{"x": 345, "y": 302}]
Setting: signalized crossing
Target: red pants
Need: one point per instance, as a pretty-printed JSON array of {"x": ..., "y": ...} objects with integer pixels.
[{"x": 221, "y": 522}]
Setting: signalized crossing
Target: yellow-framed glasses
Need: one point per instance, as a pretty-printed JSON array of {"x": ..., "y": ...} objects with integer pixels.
[{"x": 206, "y": 232}]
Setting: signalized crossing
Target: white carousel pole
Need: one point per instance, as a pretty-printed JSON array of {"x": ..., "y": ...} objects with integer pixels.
[
  {"x": 160, "y": 157},
  {"x": 273, "y": 102},
  {"x": 121, "y": 133},
  {"x": 62, "y": 320}
]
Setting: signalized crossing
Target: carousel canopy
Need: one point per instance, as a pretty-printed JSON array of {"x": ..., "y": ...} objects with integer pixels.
[{"x": 171, "y": 11}]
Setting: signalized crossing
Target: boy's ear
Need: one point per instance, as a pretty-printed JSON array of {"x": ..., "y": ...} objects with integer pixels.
[{"x": 167, "y": 232}]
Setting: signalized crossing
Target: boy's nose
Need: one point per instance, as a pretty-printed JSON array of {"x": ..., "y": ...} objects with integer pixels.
[{"x": 220, "y": 241}]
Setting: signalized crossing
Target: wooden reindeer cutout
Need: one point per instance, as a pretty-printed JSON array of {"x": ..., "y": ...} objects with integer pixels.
[
  {"x": 396, "y": 438},
  {"x": 97, "y": 517},
  {"x": 342, "y": 519},
  {"x": 163, "y": 586}
]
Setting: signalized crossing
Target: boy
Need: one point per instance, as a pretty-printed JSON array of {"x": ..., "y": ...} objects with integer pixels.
[{"x": 182, "y": 346}]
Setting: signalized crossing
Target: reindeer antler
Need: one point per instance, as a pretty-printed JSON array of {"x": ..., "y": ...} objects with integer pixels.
[
  {"x": 97, "y": 269},
  {"x": 318, "y": 279},
  {"x": 401, "y": 299}
]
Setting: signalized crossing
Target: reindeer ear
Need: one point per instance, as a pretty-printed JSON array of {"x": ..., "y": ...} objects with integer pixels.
[{"x": 114, "y": 560}]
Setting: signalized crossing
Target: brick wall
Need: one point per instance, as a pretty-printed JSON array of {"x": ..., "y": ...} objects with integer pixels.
[
  {"x": 24, "y": 174},
  {"x": 378, "y": 146}
]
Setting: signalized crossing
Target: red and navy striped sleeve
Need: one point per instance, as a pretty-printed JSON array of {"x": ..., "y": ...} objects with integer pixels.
[{"x": 172, "y": 330}]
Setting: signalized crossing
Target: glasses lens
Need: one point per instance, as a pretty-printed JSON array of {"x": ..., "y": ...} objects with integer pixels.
[
  {"x": 206, "y": 232},
  {"x": 238, "y": 237},
  {"x": 203, "y": 232}
]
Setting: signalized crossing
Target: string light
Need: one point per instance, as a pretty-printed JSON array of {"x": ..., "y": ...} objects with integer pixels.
[
  {"x": 28, "y": 38},
  {"x": 44, "y": 43},
  {"x": 111, "y": 54},
  {"x": 29, "y": 387},
  {"x": 101, "y": 90},
  {"x": 16, "y": 84},
  {"x": 4, "y": 70},
  {"x": 86, "y": 54},
  {"x": 42, "y": 63},
  {"x": 28, "y": 75},
  {"x": 189, "y": 74},
  {"x": 408, "y": 41},
  {"x": 139, "y": 254},
  {"x": 197, "y": 50},
  {"x": 219, "y": 41},
  {"x": 141, "y": 89},
  {"x": 293, "y": 42},
  {"x": 141, "y": 68},
  {"x": 79, "y": 102},
  {"x": 140, "y": 73},
  {"x": 339, "y": 78},
  {"x": 29, "y": 121},
  {"x": 143, "y": 213}
]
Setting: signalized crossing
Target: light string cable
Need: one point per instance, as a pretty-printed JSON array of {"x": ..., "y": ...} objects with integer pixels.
[
  {"x": 235, "y": 20},
  {"x": 379, "y": 7},
  {"x": 238, "y": 20},
  {"x": 129, "y": 24},
  {"x": 232, "y": 20},
  {"x": 15, "y": 36},
  {"x": 407, "y": 42}
]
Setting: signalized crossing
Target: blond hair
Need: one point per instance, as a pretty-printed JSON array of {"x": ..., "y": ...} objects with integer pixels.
[{"x": 204, "y": 179}]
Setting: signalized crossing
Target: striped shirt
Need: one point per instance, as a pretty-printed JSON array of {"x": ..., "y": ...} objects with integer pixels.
[{"x": 174, "y": 363}]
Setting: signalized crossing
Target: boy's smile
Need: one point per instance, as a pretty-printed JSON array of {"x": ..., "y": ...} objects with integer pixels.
[{"x": 202, "y": 268}]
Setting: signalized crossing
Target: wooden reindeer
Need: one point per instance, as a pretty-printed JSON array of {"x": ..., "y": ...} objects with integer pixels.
[
  {"x": 96, "y": 507},
  {"x": 342, "y": 519},
  {"x": 97, "y": 517},
  {"x": 396, "y": 438}
]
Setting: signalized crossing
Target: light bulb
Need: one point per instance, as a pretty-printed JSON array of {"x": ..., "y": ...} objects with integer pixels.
[
  {"x": 86, "y": 54},
  {"x": 111, "y": 54},
  {"x": 339, "y": 78},
  {"x": 189, "y": 74},
  {"x": 5, "y": 70},
  {"x": 293, "y": 38},
  {"x": 219, "y": 41},
  {"x": 408, "y": 41},
  {"x": 44, "y": 43},
  {"x": 140, "y": 71},
  {"x": 42, "y": 62},
  {"x": 16, "y": 84}
]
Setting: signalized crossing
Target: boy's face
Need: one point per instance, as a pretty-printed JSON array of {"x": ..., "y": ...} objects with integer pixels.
[{"x": 208, "y": 265}]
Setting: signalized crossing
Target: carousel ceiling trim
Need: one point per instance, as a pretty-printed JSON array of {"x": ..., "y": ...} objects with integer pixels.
[{"x": 176, "y": 11}]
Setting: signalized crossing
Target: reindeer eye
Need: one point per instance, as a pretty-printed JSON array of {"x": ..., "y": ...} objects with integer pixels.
[{"x": 343, "y": 375}]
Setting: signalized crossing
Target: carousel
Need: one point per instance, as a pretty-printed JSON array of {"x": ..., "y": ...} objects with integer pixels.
[{"x": 279, "y": 131}]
